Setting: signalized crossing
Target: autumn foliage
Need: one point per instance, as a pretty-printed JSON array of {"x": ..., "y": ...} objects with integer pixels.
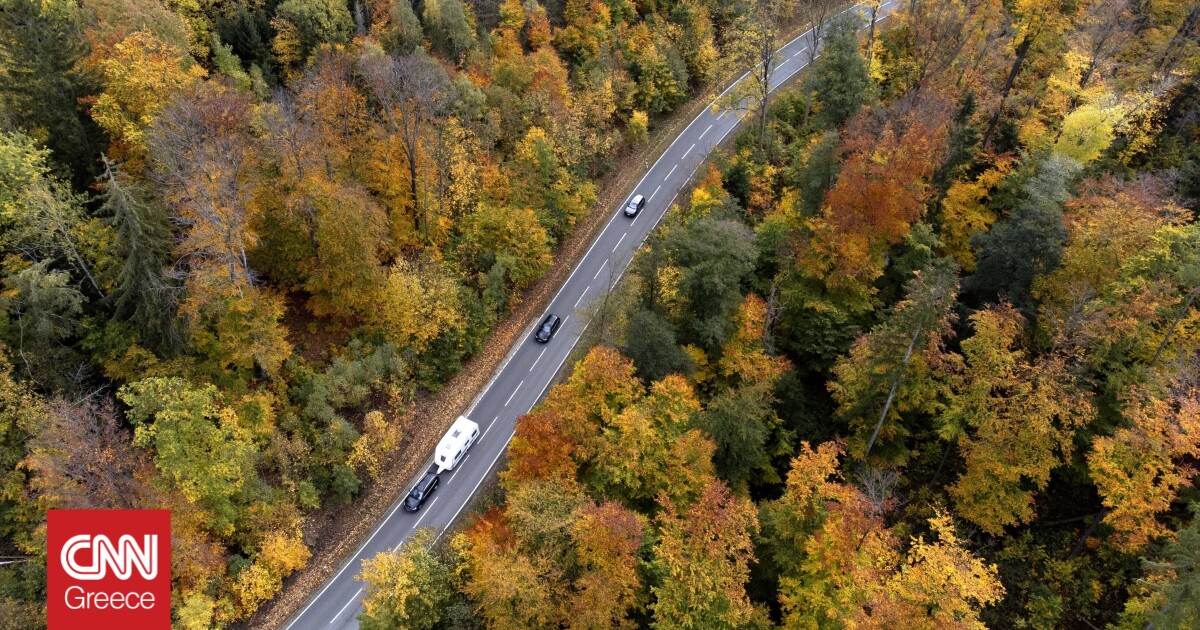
[{"x": 917, "y": 349}]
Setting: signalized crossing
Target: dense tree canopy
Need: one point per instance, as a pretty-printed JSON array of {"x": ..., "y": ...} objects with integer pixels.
[
  {"x": 917, "y": 349},
  {"x": 934, "y": 315}
]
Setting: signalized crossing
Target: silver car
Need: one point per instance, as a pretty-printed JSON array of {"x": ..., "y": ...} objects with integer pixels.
[{"x": 635, "y": 206}]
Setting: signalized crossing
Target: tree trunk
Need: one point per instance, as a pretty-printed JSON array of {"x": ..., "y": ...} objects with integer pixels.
[
  {"x": 425, "y": 210},
  {"x": 769, "y": 323},
  {"x": 412, "y": 189},
  {"x": 766, "y": 55},
  {"x": 816, "y": 22},
  {"x": 1064, "y": 521},
  {"x": 892, "y": 393},
  {"x": 1174, "y": 324},
  {"x": 1190, "y": 25},
  {"x": 65, "y": 234},
  {"x": 442, "y": 167},
  {"x": 871, "y": 37},
  {"x": 808, "y": 106},
  {"x": 762, "y": 124},
  {"x": 1086, "y": 533},
  {"x": 1022, "y": 51},
  {"x": 942, "y": 463}
]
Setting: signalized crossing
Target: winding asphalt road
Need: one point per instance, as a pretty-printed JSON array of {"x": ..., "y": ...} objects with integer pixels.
[{"x": 525, "y": 374}]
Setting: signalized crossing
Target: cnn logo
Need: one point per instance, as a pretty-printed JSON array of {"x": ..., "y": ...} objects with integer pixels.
[
  {"x": 103, "y": 569},
  {"x": 122, "y": 557}
]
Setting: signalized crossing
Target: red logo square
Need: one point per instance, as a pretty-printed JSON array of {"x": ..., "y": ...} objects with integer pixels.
[{"x": 108, "y": 569}]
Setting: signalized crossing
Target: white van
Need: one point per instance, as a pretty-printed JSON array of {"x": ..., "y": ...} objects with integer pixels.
[{"x": 454, "y": 444}]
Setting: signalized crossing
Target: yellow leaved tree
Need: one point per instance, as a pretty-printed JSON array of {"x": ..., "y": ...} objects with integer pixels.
[
  {"x": 417, "y": 302},
  {"x": 141, "y": 76}
]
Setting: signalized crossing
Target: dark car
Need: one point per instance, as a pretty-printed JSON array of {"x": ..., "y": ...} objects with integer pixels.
[
  {"x": 635, "y": 206},
  {"x": 548, "y": 328},
  {"x": 421, "y": 491}
]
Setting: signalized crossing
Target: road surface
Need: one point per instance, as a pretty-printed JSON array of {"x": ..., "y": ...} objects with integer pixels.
[{"x": 525, "y": 374}]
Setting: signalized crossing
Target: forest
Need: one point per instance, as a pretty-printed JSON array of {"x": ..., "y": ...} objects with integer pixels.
[
  {"x": 240, "y": 237},
  {"x": 919, "y": 349}
]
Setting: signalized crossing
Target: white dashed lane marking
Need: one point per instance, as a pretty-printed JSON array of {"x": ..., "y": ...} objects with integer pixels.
[
  {"x": 339, "y": 613},
  {"x": 489, "y": 427},
  {"x": 425, "y": 510},
  {"x": 514, "y": 393},
  {"x": 535, "y": 361}
]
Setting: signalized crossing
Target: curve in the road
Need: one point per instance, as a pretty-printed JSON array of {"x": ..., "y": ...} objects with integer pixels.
[{"x": 527, "y": 371}]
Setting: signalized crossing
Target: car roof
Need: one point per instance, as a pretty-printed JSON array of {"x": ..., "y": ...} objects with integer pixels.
[
  {"x": 427, "y": 478},
  {"x": 550, "y": 318},
  {"x": 636, "y": 198}
]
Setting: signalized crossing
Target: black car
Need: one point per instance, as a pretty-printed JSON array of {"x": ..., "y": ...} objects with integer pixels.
[
  {"x": 421, "y": 491},
  {"x": 635, "y": 206},
  {"x": 548, "y": 328}
]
